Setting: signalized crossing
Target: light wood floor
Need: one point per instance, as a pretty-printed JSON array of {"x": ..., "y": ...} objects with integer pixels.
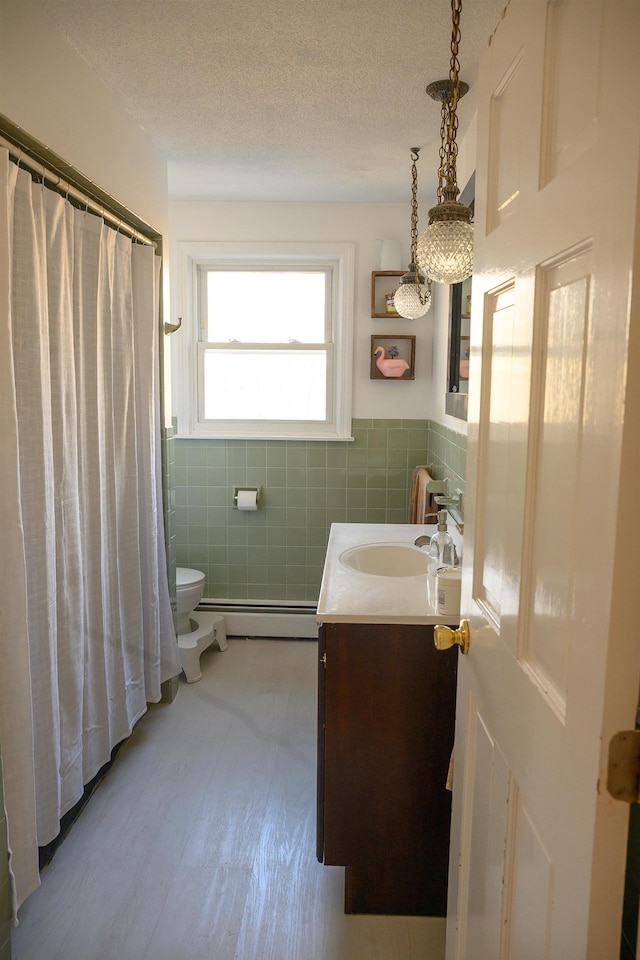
[{"x": 200, "y": 842}]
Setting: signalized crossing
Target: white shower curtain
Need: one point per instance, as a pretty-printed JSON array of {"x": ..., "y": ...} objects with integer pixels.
[{"x": 87, "y": 633}]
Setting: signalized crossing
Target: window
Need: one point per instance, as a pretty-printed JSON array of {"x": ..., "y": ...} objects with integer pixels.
[{"x": 266, "y": 345}]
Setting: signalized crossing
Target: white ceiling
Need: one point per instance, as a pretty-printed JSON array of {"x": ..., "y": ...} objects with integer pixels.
[{"x": 282, "y": 99}]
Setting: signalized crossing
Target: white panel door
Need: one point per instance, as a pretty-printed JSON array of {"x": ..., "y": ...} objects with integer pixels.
[{"x": 551, "y": 572}]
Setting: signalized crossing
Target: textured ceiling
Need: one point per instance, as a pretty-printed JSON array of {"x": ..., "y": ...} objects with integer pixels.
[{"x": 282, "y": 99}]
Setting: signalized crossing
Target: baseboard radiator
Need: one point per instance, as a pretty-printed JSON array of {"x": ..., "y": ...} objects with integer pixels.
[{"x": 265, "y": 619}]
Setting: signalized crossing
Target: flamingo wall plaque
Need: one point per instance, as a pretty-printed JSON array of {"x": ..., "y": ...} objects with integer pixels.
[{"x": 393, "y": 358}]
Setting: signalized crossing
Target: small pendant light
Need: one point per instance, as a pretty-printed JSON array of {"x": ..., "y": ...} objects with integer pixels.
[{"x": 412, "y": 299}]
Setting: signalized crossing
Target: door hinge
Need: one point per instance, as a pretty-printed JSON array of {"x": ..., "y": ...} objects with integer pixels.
[{"x": 623, "y": 775}]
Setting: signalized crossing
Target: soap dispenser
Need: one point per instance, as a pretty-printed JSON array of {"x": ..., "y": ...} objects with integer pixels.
[{"x": 442, "y": 548}]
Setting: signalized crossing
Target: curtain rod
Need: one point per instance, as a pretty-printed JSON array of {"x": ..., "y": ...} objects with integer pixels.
[{"x": 24, "y": 159}]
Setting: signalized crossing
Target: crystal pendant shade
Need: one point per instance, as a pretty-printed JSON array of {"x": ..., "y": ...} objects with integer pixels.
[
  {"x": 445, "y": 251},
  {"x": 412, "y": 299}
]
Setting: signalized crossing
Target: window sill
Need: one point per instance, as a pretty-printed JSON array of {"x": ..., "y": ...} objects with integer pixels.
[{"x": 246, "y": 435}]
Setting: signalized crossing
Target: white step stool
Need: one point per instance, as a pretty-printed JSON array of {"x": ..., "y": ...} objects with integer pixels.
[{"x": 208, "y": 628}]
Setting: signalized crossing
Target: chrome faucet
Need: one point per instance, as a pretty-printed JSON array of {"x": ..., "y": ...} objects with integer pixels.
[{"x": 424, "y": 538}]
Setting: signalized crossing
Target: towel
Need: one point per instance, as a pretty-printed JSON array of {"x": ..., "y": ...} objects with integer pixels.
[{"x": 419, "y": 497}]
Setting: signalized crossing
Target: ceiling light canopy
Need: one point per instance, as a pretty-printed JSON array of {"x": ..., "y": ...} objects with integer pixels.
[{"x": 445, "y": 249}]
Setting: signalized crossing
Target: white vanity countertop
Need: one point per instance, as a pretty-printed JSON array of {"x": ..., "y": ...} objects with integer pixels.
[{"x": 348, "y": 596}]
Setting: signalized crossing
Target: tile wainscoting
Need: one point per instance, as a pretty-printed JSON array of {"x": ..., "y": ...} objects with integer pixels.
[
  {"x": 447, "y": 455},
  {"x": 277, "y": 553}
]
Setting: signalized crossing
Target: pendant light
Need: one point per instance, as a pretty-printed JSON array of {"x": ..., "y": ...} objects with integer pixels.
[
  {"x": 445, "y": 249},
  {"x": 412, "y": 299}
]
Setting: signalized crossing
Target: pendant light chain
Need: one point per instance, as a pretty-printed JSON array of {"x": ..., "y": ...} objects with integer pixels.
[
  {"x": 414, "y": 205},
  {"x": 450, "y": 189},
  {"x": 423, "y": 296},
  {"x": 442, "y": 169}
]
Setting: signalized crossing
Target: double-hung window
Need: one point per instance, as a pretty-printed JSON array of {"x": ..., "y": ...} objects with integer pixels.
[{"x": 266, "y": 349}]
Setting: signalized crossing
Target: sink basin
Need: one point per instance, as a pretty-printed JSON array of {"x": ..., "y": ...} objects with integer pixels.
[{"x": 386, "y": 559}]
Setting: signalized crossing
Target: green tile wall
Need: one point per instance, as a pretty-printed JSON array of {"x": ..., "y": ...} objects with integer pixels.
[
  {"x": 168, "y": 468},
  {"x": 278, "y": 552},
  {"x": 5, "y": 886},
  {"x": 447, "y": 455}
]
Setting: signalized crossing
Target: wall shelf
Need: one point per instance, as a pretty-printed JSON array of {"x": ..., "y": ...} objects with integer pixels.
[{"x": 383, "y": 282}]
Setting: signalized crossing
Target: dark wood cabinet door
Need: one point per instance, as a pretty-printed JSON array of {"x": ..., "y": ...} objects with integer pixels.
[{"x": 386, "y": 723}]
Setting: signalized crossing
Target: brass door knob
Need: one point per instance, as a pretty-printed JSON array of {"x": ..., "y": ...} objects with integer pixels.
[{"x": 445, "y": 637}]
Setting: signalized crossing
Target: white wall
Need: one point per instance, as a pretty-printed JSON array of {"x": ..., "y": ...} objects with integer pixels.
[
  {"x": 360, "y": 223},
  {"x": 48, "y": 90}
]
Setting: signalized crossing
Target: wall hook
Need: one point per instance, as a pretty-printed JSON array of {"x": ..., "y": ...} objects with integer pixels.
[{"x": 172, "y": 327}]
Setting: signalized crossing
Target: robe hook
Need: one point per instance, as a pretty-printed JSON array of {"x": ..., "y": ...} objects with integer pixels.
[{"x": 172, "y": 327}]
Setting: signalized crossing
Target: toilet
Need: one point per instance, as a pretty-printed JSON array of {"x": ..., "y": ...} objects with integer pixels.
[{"x": 195, "y": 630}]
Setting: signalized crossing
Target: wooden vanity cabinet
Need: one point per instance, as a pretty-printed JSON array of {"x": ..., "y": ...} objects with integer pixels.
[{"x": 386, "y": 706}]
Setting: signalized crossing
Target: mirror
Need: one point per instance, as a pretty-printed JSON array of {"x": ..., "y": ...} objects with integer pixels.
[
  {"x": 459, "y": 331},
  {"x": 459, "y": 327}
]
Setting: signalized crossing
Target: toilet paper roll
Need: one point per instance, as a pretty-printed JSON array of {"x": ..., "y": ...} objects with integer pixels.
[{"x": 247, "y": 499}]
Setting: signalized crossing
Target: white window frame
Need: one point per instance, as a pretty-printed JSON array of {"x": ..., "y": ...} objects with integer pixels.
[{"x": 187, "y": 348}]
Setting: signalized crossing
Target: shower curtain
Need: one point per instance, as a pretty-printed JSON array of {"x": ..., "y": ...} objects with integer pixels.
[{"x": 87, "y": 634}]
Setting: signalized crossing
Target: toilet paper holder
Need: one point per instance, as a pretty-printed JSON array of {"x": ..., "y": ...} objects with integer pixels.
[{"x": 237, "y": 490}]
